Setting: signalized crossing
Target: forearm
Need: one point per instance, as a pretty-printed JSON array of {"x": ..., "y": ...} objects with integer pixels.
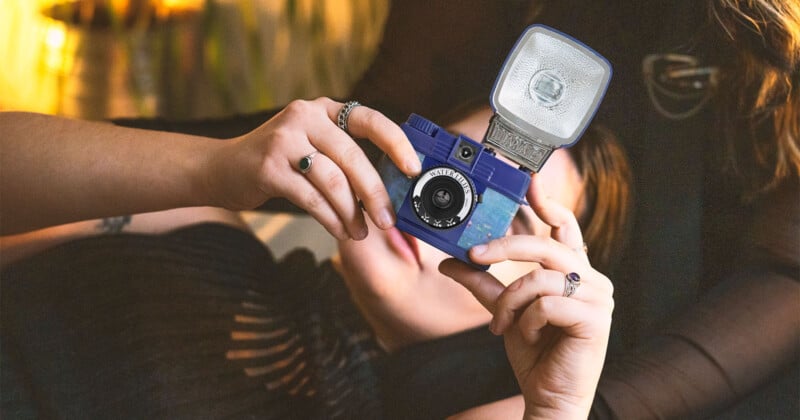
[
  {"x": 57, "y": 170},
  {"x": 743, "y": 334},
  {"x": 720, "y": 352}
]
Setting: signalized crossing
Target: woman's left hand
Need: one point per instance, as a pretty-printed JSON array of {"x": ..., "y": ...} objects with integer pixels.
[
  {"x": 265, "y": 163},
  {"x": 556, "y": 344}
]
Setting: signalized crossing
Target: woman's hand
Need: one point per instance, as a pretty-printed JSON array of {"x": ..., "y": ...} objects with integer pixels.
[
  {"x": 263, "y": 164},
  {"x": 556, "y": 344}
]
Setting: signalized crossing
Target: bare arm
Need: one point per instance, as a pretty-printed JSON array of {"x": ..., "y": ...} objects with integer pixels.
[
  {"x": 58, "y": 170},
  {"x": 55, "y": 170}
]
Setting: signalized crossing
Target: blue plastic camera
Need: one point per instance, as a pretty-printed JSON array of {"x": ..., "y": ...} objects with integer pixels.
[
  {"x": 544, "y": 98},
  {"x": 464, "y": 196}
]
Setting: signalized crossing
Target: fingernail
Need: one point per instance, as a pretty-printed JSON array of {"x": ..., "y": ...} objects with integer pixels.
[
  {"x": 413, "y": 165},
  {"x": 362, "y": 233},
  {"x": 479, "y": 249},
  {"x": 386, "y": 218}
]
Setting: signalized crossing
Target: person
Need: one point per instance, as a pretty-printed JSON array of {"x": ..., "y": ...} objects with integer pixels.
[
  {"x": 197, "y": 319},
  {"x": 705, "y": 98}
]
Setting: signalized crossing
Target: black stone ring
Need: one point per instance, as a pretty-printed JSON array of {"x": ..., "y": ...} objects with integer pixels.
[{"x": 305, "y": 163}]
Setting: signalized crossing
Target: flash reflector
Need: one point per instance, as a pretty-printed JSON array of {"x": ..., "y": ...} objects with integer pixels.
[{"x": 545, "y": 95}]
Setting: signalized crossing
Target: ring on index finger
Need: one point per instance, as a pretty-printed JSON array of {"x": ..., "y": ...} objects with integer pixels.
[
  {"x": 571, "y": 283},
  {"x": 344, "y": 114}
]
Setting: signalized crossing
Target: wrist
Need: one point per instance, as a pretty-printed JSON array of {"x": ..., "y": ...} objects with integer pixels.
[{"x": 202, "y": 175}]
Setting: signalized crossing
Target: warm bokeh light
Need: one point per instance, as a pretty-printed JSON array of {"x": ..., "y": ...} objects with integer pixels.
[
  {"x": 180, "y": 58},
  {"x": 164, "y": 8}
]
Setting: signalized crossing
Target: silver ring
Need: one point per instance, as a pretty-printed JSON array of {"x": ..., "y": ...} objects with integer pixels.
[
  {"x": 304, "y": 165},
  {"x": 344, "y": 114},
  {"x": 571, "y": 283}
]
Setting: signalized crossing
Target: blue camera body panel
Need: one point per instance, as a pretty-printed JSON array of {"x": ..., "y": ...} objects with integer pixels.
[{"x": 465, "y": 195}]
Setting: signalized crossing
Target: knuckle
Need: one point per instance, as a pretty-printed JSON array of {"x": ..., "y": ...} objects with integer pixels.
[
  {"x": 530, "y": 335},
  {"x": 543, "y": 306},
  {"x": 605, "y": 284},
  {"x": 337, "y": 182},
  {"x": 267, "y": 188},
  {"x": 296, "y": 106},
  {"x": 282, "y": 135},
  {"x": 323, "y": 100},
  {"x": 535, "y": 277},
  {"x": 503, "y": 243},
  {"x": 301, "y": 108},
  {"x": 353, "y": 153},
  {"x": 374, "y": 193},
  {"x": 505, "y": 296},
  {"x": 372, "y": 120},
  {"x": 313, "y": 200}
]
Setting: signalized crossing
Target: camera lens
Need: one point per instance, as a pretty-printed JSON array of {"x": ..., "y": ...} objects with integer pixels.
[{"x": 443, "y": 197}]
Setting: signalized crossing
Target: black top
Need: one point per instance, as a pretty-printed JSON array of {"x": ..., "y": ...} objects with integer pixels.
[
  {"x": 198, "y": 323},
  {"x": 202, "y": 322},
  {"x": 708, "y": 294}
]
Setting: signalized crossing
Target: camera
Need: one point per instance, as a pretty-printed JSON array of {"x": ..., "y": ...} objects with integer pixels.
[
  {"x": 464, "y": 196},
  {"x": 547, "y": 92}
]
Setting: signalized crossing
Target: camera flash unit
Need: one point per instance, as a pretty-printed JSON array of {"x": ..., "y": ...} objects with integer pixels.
[{"x": 545, "y": 96}]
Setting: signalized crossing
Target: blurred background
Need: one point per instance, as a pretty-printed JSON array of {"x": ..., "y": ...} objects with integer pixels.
[
  {"x": 180, "y": 58},
  {"x": 186, "y": 59}
]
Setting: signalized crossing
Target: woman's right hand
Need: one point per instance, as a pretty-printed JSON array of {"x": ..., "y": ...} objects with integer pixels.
[
  {"x": 555, "y": 341},
  {"x": 263, "y": 164}
]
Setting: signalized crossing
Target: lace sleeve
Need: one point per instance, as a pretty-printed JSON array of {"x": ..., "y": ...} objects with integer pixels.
[{"x": 743, "y": 335}]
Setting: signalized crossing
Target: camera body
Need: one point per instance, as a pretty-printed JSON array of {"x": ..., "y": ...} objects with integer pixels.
[
  {"x": 464, "y": 196},
  {"x": 547, "y": 92}
]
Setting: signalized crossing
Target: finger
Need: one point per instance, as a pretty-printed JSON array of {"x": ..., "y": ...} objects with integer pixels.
[
  {"x": 361, "y": 175},
  {"x": 481, "y": 284},
  {"x": 370, "y": 124},
  {"x": 565, "y": 227},
  {"x": 546, "y": 251},
  {"x": 329, "y": 179},
  {"x": 576, "y": 318},
  {"x": 521, "y": 293},
  {"x": 306, "y": 196}
]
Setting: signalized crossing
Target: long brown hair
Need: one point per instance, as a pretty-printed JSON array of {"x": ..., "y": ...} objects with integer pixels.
[
  {"x": 605, "y": 219},
  {"x": 760, "y": 90}
]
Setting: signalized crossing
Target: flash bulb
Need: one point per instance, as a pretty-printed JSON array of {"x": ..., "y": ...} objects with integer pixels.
[{"x": 545, "y": 95}]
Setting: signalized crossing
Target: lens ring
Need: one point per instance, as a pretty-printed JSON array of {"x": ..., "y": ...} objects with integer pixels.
[{"x": 443, "y": 197}]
